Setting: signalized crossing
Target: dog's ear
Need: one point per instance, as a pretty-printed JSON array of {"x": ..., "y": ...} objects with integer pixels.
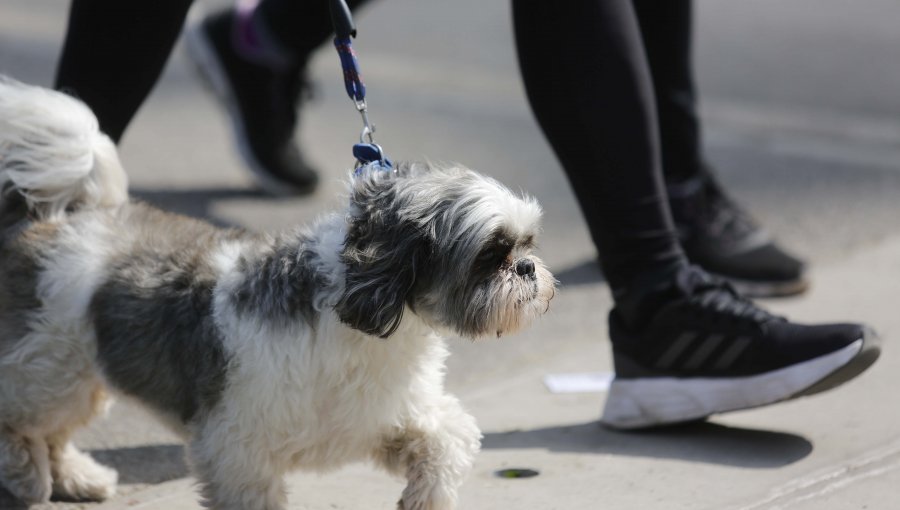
[
  {"x": 381, "y": 255},
  {"x": 380, "y": 275}
]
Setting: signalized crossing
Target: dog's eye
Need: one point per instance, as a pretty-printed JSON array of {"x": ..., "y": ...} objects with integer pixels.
[{"x": 494, "y": 256}]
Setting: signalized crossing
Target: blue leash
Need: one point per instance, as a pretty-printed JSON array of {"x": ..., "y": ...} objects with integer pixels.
[{"x": 367, "y": 152}]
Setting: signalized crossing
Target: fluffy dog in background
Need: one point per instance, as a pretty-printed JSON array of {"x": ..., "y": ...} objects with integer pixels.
[{"x": 305, "y": 350}]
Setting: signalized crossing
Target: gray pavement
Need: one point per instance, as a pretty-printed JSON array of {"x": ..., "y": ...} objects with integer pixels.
[{"x": 801, "y": 105}]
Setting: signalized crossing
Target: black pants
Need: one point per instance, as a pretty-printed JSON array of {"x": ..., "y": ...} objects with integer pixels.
[
  {"x": 115, "y": 50},
  {"x": 610, "y": 83},
  {"x": 605, "y": 79}
]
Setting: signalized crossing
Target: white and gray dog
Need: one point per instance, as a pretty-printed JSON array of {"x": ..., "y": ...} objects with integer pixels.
[{"x": 304, "y": 350}]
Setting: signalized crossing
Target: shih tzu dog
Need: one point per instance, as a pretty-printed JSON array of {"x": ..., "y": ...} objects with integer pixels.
[{"x": 304, "y": 350}]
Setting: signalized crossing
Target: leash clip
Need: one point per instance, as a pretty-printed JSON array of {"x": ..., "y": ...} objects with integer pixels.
[
  {"x": 370, "y": 155},
  {"x": 368, "y": 128}
]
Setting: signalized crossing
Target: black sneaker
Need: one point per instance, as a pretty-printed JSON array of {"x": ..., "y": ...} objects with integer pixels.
[
  {"x": 706, "y": 350},
  {"x": 719, "y": 236},
  {"x": 261, "y": 101}
]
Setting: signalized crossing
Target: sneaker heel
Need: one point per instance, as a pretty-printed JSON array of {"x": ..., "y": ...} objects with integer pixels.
[
  {"x": 650, "y": 403},
  {"x": 623, "y": 408}
]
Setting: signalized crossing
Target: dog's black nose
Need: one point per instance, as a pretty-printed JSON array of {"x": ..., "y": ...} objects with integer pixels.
[{"x": 525, "y": 267}]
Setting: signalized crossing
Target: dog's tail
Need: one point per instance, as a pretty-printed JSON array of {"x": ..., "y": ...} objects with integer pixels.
[{"x": 53, "y": 154}]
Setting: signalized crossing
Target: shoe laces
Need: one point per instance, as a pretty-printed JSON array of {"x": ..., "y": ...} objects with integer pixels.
[{"x": 712, "y": 295}]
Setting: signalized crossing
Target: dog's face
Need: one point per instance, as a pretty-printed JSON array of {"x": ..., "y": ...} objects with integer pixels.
[{"x": 452, "y": 245}]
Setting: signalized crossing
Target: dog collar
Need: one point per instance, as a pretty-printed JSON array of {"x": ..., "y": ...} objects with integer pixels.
[{"x": 370, "y": 156}]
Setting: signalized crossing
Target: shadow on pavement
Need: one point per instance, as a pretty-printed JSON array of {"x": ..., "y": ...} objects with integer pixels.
[
  {"x": 695, "y": 442},
  {"x": 194, "y": 202},
  {"x": 145, "y": 464},
  {"x": 585, "y": 273}
]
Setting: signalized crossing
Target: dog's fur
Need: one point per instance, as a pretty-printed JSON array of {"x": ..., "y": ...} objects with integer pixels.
[{"x": 263, "y": 351}]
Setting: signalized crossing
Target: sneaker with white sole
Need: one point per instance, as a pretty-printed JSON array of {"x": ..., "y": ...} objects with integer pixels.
[{"x": 707, "y": 350}]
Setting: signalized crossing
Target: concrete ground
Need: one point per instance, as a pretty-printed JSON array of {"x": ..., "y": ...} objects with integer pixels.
[{"x": 800, "y": 102}]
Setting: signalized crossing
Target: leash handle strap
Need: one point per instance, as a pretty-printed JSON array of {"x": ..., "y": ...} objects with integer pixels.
[
  {"x": 353, "y": 83},
  {"x": 344, "y": 29}
]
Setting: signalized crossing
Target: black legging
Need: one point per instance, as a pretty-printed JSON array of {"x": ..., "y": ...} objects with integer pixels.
[
  {"x": 586, "y": 67},
  {"x": 587, "y": 72},
  {"x": 115, "y": 50}
]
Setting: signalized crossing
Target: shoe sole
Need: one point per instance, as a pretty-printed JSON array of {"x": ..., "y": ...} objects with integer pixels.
[
  {"x": 212, "y": 72},
  {"x": 653, "y": 402},
  {"x": 768, "y": 289},
  {"x": 864, "y": 359}
]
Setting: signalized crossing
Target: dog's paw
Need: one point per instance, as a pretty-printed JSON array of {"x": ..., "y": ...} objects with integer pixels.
[
  {"x": 81, "y": 478},
  {"x": 422, "y": 505},
  {"x": 434, "y": 499}
]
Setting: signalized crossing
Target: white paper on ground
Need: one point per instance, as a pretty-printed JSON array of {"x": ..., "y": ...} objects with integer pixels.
[{"x": 578, "y": 382}]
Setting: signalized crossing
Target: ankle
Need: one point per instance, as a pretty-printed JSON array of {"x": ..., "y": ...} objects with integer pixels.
[{"x": 638, "y": 300}]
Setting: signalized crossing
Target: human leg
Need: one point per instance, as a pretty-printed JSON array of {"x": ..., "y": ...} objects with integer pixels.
[
  {"x": 716, "y": 232},
  {"x": 300, "y": 27},
  {"x": 114, "y": 52},
  {"x": 679, "y": 336},
  {"x": 589, "y": 86},
  {"x": 666, "y": 32}
]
